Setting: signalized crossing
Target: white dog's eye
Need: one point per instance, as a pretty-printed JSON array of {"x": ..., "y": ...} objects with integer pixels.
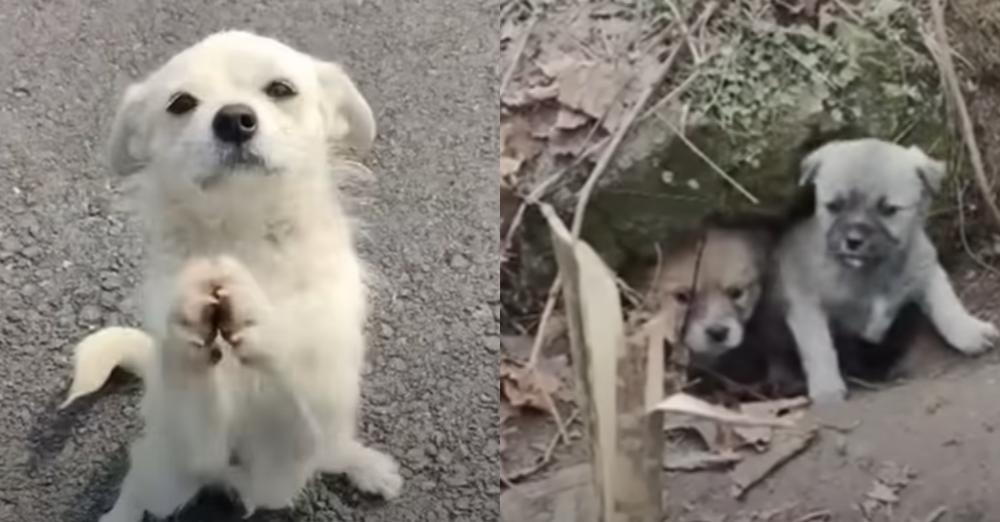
[
  {"x": 280, "y": 89},
  {"x": 182, "y": 103}
]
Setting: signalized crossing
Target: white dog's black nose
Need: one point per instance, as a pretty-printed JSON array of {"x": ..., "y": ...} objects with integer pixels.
[
  {"x": 717, "y": 333},
  {"x": 235, "y": 123}
]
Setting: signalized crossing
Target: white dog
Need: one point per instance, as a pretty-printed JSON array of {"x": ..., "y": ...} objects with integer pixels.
[{"x": 253, "y": 301}]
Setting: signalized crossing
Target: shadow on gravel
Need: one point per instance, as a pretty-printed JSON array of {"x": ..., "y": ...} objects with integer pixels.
[{"x": 53, "y": 427}]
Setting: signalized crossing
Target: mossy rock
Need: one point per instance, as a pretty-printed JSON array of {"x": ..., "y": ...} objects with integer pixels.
[{"x": 756, "y": 111}]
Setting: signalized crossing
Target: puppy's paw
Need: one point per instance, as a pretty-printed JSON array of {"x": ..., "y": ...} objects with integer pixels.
[
  {"x": 378, "y": 473},
  {"x": 242, "y": 306},
  {"x": 193, "y": 320},
  {"x": 972, "y": 336},
  {"x": 827, "y": 390}
]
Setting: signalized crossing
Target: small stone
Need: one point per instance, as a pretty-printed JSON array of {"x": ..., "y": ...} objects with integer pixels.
[
  {"x": 445, "y": 457},
  {"x": 90, "y": 314},
  {"x": 458, "y": 262},
  {"x": 492, "y": 343},
  {"x": 386, "y": 331}
]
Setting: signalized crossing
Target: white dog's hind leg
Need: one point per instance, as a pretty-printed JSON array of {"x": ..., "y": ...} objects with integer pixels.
[
  {"x": 152, "y": 484},
  {"x": 369, "y": 469},
  {"x": 811, "y": 330},
  {"x": 961, "y": 329}
]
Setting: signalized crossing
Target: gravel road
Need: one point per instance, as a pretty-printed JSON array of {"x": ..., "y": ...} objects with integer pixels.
[{"x": 68, "y": 250}]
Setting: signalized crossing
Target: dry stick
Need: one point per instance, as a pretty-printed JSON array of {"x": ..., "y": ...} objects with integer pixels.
[
  {"x": 947, "y": 68},
  {"x": 677, "y": 91},
  {"x": 609, "y": 151},
  {"x": 550, "y": 449},
  {"x": 539, "y": 190},
  {"x": 517, "y": 55},
  {"x": 962, "y": 235},
  {"x": 685, "y": 31},
  {"x": 704, "y": 157},
  {"x": 823, "y": 514},
  {"x": 936, "y": 514}
]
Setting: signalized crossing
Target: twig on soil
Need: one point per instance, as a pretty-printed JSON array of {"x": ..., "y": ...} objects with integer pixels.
[
  {"x": 517, "y": 54},
  {"x": 940, "y": 50},
  {"x": 542, "y": 461},
  {"x": 936, "y": 514},
  {"x": 550, "y": 304},
  {"x": 671, "y": 95},
  {"x": 959, "y": 191},
  {"x": 616, "y": 139},
  {"x": 536, "y": 350},
  {"x": 823, "y": 514},
  {"x": 685, "y": 31},
  {"x": 850, "y": 12},
  {"x": 704, "y": 157}
]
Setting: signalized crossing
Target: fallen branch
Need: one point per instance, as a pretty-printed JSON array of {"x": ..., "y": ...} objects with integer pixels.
[
  {"x": 546, "y": 457},
  {"x": 517, "y": 55},
  {"x": 609, "y": 151},
  {"x": 940, "y": 50},
  {"x": 936, "y": 514}
]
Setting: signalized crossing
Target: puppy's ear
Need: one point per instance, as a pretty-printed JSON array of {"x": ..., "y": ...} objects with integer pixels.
[
  {"x": 930, "y": 170},
  {"x": 811, "y": 163},
  {"x": 350, "y": 124},
  {"x": 128, "y": 151}
]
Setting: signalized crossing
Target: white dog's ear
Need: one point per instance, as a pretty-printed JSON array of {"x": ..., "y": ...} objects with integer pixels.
[
  {"x": 128, "y": 151},
  {"x": 811, "y": 163},
  {"x": 350, "y": 123},
  {"x": 931, "y": 171}
]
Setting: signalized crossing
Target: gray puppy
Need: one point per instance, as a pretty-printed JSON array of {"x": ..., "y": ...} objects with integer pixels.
[{"x": 863, "y": 254}]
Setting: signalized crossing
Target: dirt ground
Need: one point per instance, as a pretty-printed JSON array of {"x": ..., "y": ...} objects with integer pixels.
[{"x": 939, "y": 421}]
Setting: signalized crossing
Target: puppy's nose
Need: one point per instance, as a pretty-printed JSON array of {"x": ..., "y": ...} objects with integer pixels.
[
  {"x": 855, "y": 238},
  {"x": 235, "y": 123},
  {"x": 717, "y": 333}
]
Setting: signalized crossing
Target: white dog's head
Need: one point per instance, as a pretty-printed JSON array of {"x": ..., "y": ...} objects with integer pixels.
[
  {"x": 872, "y": 197},
  {"x": 238, "y": 103}
]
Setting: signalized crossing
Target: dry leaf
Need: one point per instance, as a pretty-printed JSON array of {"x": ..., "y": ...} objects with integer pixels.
[
  {"x": 882, "y": 493},
  {"x": 593, "y": 88},
  {"x": 516, "y": 139},
  {"x": 699, "y": 460},
  {"x": 685, "y": 404},
  {"x": 527, "y": 387},
  {"x": 524, "y": 96},
  {"x": 509, "y": 168},
  {"x": 752, "y": 470},
  {"x": 708, "y": 431},
  {"x": 568, "y": 119},
  {"x": 564, "y": 142},
  {"x": 760, "y": 437}
]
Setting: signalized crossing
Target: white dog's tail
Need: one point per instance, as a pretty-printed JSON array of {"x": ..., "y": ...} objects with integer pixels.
[{"x": 102, "y": 351}]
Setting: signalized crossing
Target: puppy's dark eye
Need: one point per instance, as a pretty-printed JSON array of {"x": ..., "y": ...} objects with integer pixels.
[
  {"x": 182, "y": 103},
  {"x": 280, "y": 89},
  {"x": 835, "y": 206},
  {"x": 734, "y": 293},
  {"x": 887, "y": 210},
  {"x": 682, "y": 296}
]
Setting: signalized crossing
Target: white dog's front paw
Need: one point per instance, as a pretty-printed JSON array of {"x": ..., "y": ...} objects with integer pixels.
[
  {"x": 972, "y": 336},
  {"x": 218, "y": 297},
  {"x": 377, "y": 473},
  {"x": 827, "y": 390}
]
